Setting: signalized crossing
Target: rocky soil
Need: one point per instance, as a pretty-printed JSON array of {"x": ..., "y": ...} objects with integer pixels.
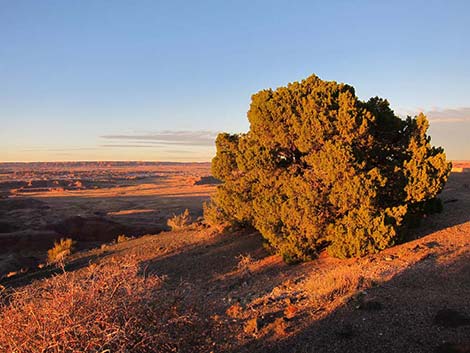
[{"x": 414, "y": 297}]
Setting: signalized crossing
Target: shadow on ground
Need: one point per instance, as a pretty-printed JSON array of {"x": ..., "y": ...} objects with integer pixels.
[
  {"x": 212, "y": 273},
  {"x": 456, "y": 202},
  {"x": 424, "y": 309},
  {"x": 46, "y": 272}
]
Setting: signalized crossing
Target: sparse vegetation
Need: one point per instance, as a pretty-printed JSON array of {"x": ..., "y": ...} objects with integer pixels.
[
  {"x": 223, "y": 293},
  {"x": 105, "y": 308},
  {"x": 61, "y": 250},
  {"x": 338, "y": 283},
  {"x": 244, "y": 263},
  {"x": 321, "y": 168},
  {"x": 180, "y": 221},
  {"x": 122, "y": 238}
]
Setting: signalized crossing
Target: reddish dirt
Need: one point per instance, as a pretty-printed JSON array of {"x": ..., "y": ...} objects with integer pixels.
[
  {"x": 92, "y": 203},
  {"x": 411, "y": 298}
]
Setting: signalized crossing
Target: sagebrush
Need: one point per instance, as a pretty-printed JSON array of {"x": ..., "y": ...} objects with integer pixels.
[
  {"x": 180, "y": 221},
  {"x": 321, "y": 168},
  {"x": 60, "y": 250},
  {"x": 110, "y": 307}
]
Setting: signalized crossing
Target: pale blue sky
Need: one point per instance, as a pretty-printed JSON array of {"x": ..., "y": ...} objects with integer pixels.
[{"x": 154, "y": 80}]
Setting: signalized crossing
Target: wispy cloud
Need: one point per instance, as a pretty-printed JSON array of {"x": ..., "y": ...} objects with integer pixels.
[
  {"x": 42, "y": 149},
  {"x": 167, "y": 137},
  {"x": 179, "y": 152},
  {"x": 112, "y": 145},
  {"x": 457, "y": 115}
]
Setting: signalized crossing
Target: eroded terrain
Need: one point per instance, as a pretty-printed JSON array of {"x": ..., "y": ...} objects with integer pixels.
[
  {"x": 91, "y": 202},
  {"x": 227, "y": 293}
]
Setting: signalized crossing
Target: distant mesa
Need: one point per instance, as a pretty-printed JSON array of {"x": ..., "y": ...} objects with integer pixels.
[
  {"x": 208, "y": 180},
  {"x": 460, "y": 170},
  {"x": 78, "y": 184},
  {"x": 461, "y": 166},
  {"x": 130, "y": 212}
]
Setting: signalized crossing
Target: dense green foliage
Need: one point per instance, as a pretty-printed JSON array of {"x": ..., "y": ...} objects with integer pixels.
[{"x": 321, "y": 168}]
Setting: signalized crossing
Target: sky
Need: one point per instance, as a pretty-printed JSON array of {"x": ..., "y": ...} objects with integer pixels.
[{"x": 157, "y": 80}]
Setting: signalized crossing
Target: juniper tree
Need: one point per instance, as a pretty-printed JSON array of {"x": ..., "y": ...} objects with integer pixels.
[{"x": 321, "y": 168}]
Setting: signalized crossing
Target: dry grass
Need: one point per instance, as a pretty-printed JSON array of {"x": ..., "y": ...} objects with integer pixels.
[
  {"x": 61, "y": 250},
  {"x": 336, "y": 283},
  {"x": 103, "y": 308},
  {"x": 181, "y": 221},
  {"x": 276, "y": 303}
]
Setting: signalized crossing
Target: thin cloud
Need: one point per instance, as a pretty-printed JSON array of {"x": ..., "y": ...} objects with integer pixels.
[
  {"x": 59, "y": 149},
  {"x": 167, "y": 137},
  {"x": 457, "y": 115},
  {"x": 179, "y": 151},
  {"x": 126, "y": 146}
]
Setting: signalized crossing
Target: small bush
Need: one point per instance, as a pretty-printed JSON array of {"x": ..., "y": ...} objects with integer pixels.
[
  {"x": 214, "y": 218},
  {"x": 180, "y": 221},
  {"x": 332, "y": 285},
  {"x": 122, "y": 238},
  {"x": 61, "y": 250}
]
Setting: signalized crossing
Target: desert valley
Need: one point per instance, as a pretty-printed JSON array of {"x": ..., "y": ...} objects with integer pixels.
[
  {"x": 219, "y": 292},
  {"x": 92, "y": 203}
]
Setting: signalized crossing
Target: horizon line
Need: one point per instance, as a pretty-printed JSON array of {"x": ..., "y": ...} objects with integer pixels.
[
  {"x": 142, "y": 161},
  {"x": 105, "y": 160}
]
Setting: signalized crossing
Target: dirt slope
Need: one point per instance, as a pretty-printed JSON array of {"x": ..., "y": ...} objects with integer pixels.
[{"x": 414, "y": 297}]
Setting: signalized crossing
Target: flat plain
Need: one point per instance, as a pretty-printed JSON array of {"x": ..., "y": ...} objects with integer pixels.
[{"x": 225, "y": 292}]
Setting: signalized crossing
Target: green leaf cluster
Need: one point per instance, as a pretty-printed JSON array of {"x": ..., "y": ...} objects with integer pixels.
[{"x": 321, "y": 168}]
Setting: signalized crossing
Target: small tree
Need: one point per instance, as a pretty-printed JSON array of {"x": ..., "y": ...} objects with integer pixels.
[
  {"x": 320, "y": 168},
  {"x": 180, "y": 221}
]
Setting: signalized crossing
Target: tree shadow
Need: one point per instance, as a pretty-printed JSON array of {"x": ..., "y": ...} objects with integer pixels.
[
  {"x": 26, "y": 278},
  {"x": 425, "y": 308},
  {"x": 207, "y": 260},
  {"x": 221, "y": 272},
  {"x": 456, "y": 202}
]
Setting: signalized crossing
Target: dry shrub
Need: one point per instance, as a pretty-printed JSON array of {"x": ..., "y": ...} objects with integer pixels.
[
  {"x": 245, "y": 262},
  {"x": 61, "y": 250},
  {"x": 180, "y": 221},
  {"x": 339, "y": 283},
  {"x": 102, "y": 308},
  {"x": 122, "y": 238}
]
